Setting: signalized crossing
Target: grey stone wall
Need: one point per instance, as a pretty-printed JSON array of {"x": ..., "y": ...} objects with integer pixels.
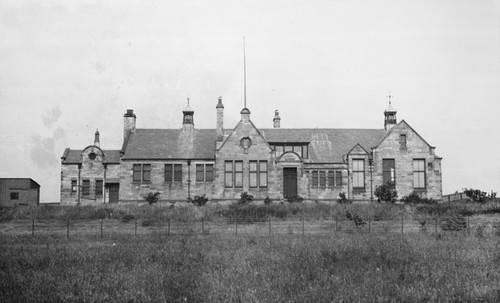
[{"x": 416, "y": 148}]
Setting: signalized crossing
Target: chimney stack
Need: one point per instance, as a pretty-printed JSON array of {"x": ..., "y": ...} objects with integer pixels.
[
  {"x": 128, "y": 124},
  {"x": 220, "y": 120},
  {"x": 96, "y": 139},
  {"x": 276, "y": 119}
]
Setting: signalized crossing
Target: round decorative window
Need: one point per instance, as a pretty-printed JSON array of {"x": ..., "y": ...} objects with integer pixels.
[
  {"x": 246, "y": 143},
  {"x": 92, "y": 156}
]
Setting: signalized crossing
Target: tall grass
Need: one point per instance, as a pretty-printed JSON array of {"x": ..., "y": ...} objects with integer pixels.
[{"x": 287, "y": 268}]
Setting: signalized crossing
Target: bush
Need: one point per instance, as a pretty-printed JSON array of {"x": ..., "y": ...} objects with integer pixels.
[
  {"x": 200, "y": 200},
  {"x": 386, "y": 192},
  {"x": 268, "y": 200},
  {"x": 127, "y": 218},
  {"x": 457, "y": 222},
  {"x": 480, "y": 196},
  {"x": 293, "y": 199},
  {"x": 152, "y": 198},
  {"x": 342, "y": 199},
  {"x": 245, "y": 198},
  {"x": 415, "y": 198}
]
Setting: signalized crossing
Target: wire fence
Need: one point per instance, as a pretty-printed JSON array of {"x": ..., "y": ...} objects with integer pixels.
[{"x": 248, "y": 226}]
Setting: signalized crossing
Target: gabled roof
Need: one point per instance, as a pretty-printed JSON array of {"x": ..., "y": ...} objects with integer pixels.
[
  {"x": 72, "y": 156},
  {"x": 166, "y": 144},
  {"x": 326, "y": 144},
  {"x": 394, "y": 127}
]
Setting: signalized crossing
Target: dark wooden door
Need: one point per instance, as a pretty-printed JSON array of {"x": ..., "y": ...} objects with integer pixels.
[
  {"x": 289, "y": 181},
  {"x": 113, "y": 192}
]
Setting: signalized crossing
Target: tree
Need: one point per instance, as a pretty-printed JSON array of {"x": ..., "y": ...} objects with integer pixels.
[{"x": 386, "y": 192}]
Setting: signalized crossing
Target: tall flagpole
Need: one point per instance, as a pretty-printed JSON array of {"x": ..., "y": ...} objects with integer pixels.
[{"x": 244, "y": 75}]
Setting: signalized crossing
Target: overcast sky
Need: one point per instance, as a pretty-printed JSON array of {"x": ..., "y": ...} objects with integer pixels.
[{"x": 68, "y": 68}]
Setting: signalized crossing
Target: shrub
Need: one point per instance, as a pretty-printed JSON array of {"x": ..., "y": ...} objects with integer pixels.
[
  {"x": 357, "y": 220},
  {"x": 342, "y": 199},
  {"x": 457, "y": 222},
  {"x": 415, "y": 198},
  {"x": 245, "y": 198},
  {"x": 295, "y": 198},
  {"x": 386, "y": 192},
  {"x": 152, "y": 198},
  {"x": 200, "y": 200},
  {"x": 268, "y": 200},
  {"x": 127, "y": 218},
  {"x": 480, "y": 196}
]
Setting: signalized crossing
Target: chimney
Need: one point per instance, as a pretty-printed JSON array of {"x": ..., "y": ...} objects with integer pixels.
[
  {"x": 96, "y": 139},
  {"x": 276, "y": 119},
  {"x": 220, "y": 120},
  {"x": 128, "y": 124}
]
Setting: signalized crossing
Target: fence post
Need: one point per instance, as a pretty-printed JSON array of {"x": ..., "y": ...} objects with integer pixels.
[
  {"x": 436, "y": 224},
  {"x": 468, "y": 226},
  {"x": 202, "y": 226},
  {"x": 369, "y": 226},
  {"x": 101, "y": 228},
  {"x": 135, "y": 227},
  {"x": 168, "y": 227},
  {"x": 336, "y": 226},
  {"x": 402, "y": 228},
  {"x": 33, "y": 227},
  {"x": 236, "y": 226},
  {"x": 269, "y": 225},
  {"x": 67, "y": 229},
  {"x": 302, "y": 224}
]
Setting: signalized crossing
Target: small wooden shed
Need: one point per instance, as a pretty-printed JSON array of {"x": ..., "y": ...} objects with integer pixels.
[{"x": 19, "y": 191}]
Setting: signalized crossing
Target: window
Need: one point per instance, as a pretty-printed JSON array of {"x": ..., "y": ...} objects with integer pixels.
[
  {"x": 322, "y": 178},
  {"x": 173, "y": 172},
  {"x": 73, "y": 186},
  {"x": 86, "y": 188},
  {"x": 233, "y": 174},
  {"x": 263, "y": 173},
  {"x": 14, "y": 196},
  {"x": 388, "y": 171},
  {"x": 258, "y": 173},
  {"x": 280, "y": 149},
  {"x": 98, "y": 188},
  {"x": 298, "y": 150},
  {"x": 228, "y": 173},
  {"x": 402, "y": 141},
  {"x": 141, "y": 172},
  {"x": 238, "y": 173},
  {"x": 358, "y": 173},
  {"x": 335, "y": 178},
  {"x": 204, "y": 172},
  {"x": 315, "y": 179},
  {"x": 136, "y": 176},
  {"x": 419, "y": 173}
]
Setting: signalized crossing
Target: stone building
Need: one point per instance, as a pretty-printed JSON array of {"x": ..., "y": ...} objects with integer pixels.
[{"x": 316, "y": 164}]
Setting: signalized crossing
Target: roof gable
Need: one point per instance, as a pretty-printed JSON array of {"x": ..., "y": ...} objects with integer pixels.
[{"x": 397, "y": 127}]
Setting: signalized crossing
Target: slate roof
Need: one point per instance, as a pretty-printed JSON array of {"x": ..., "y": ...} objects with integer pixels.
[
  {"x": 326, "y": 144},
  {"x": 168, "y": 144},
  {"x": 72, "y": 156}
]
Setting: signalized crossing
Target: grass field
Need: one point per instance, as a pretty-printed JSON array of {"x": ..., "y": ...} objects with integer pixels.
[
  {"x": 277, "y": 268},
  {"x": 303, "y": 259}
]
